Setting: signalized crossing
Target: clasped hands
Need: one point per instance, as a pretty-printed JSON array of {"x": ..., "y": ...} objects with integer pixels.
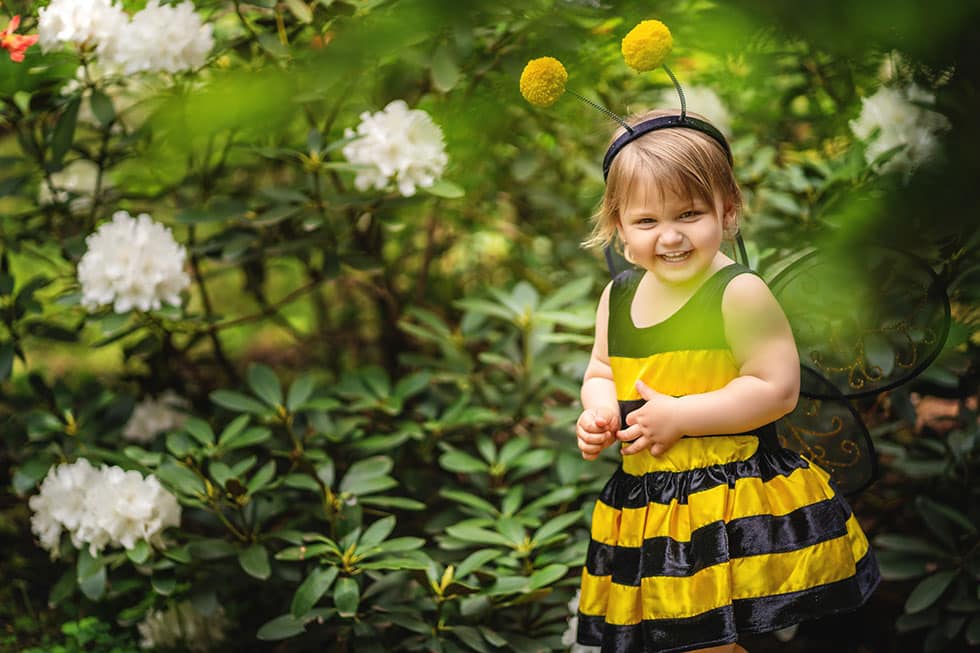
[{"x": 651, "y": 426}]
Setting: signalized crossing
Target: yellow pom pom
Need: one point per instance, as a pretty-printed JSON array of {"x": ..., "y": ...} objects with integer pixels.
[
  {"x": 647, "y": 45},
  {"x": 543, "y": 81}
]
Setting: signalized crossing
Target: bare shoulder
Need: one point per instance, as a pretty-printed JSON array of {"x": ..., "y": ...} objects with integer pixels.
[{"x": 748, "y": 295}]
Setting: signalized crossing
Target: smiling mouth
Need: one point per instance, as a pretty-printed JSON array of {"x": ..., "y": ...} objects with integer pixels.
[{"x": 675, "y": 257}]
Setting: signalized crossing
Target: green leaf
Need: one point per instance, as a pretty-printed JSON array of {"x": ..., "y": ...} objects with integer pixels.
[
  {"x": 181, "y": 479},
  {"x": 282, "y": 627},
  {"x": 299, "y": 392},
  {"x": 6, "y": 359},
  {"x": 475, "y": 561},
  {"x": 235, "y": 427},
  {"x": 102, "y": 108},
  {"x": 973, "y": 631},
  {"x": 247, "y": 438},
  {"x": 346, "y": 596},
  {"x": 64, "y": 132},
  {"x": 445, "y": 72},
  {"x": 210, "y": 549},
  {"x": 265, "y": 384},
  {"x": 478, "y": 503},
  {"x": 547, "y": 576},
  {"x": 377, "y": 532},
  {"x": 164, "y": 585},
  {"x": 262, "y": 477},
  {"x": 140, "y": 552},
  {"x": 200, "y": 431},
  {"x": 255, "y": 561},
  {"x": 512, "y": 449},
  {"x": 926, "y": 505},
  {"x": 301, "y": 10},
  {"x": 897, "y": 565},
  {"x": 512, "y": 530},
  {"x": 928, "y": 591},
  {"x": 94, "y": 586},
  {"x": 909, "y": 544},
  {"x": 462, "y": 463},
  {"x": 402, "y": 503},
  {"x": 556, "y": 525},
  {"x": 312, "y": 589},
  {"x": 363, "y": 472},
  {"x": 238, "y": 402},
  {"x": 445, "y": 189},
  {"x": 142, "y": 456},
  {"x": 394, "y": 545},
  {"x": 476, "y": 534},
  {"x": 471, "y": 637},
  {"x": 394, "y": 563}
]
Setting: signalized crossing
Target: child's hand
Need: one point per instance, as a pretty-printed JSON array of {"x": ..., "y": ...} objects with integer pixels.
[
  {"x": 650, "y": 426},
  {"x": 596, "y": 429}
]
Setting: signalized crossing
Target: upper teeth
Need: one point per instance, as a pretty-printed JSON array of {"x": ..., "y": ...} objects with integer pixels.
[{"x": 676, "y": 255}]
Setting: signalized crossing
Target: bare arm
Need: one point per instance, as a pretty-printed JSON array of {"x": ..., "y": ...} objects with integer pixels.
[
  {"x": 766, "y": 388},
  {"x": 598, "y": 424},
  {"x": 768, "y": 383}
]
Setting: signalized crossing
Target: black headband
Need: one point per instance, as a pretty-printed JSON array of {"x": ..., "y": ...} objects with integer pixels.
[{"x": 663, "y": 122}]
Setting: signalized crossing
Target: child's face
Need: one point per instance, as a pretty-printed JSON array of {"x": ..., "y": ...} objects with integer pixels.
[{"x": 674, "y": 237}]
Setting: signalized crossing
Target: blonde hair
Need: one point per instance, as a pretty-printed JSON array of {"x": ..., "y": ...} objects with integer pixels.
[{"x": 682, "y": 161}]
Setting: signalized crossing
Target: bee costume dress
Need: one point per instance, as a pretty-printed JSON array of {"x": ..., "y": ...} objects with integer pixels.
[{"x": 722, "y": 534}]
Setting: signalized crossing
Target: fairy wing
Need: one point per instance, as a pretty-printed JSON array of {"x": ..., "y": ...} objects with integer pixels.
[{"x": 863, "y": 325}]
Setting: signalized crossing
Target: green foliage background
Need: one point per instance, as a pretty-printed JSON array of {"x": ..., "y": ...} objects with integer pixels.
[{"x": 384, "y": 388}]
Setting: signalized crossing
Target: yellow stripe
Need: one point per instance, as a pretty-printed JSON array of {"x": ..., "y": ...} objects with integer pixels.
[
  {"x": 667, "y": 597},
  {"x": 692, "y": 453},
  {"x": 780, "y": 495},
  {"x": 674, "y": 372}
]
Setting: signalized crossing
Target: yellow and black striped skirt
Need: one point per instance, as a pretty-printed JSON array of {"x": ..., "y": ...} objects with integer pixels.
[{"x": 717, "y": 537}]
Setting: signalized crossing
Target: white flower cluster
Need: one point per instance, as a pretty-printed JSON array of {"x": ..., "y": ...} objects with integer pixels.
[
  {"x": 75, "y": 184},
  {"x": 100, "y": 507},
  {"x": 132, "y": 263},
  {"x": 399, "y": 146},
  {"x": 154, "y": 416},
  {"x": 568, "y": 638},
  {"x": 702, "y": 100},
  {"x": 158, "y": 38},
  {"x": 900, "y": 120},
  {"x": 181, "y": 626}
]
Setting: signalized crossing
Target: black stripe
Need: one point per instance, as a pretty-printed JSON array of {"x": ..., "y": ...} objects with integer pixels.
[
  {"x": 627, "y": 491},
  {"x": 744, "y": 616},
  {"x": 717, "y": 542}
]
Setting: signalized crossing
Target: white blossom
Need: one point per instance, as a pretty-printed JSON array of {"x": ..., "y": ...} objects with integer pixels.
[
  {"x": 132, "y": 263},
  {"x": 75, "y": 184},
  {"x": 399, "y": 146},
  {"x": 100, "y": 507},
  {"x": 568, "y": 637},
  {"x": 94, "y": 23},
  {"x": 181, "y": 626},
  {"x": 702, "y": 100},
  {"x": 154, "y": 416},
  {"x": 898, "y": 118},
  {"x": 129, "y": 508},
  {"x": 164, "y": 38}
]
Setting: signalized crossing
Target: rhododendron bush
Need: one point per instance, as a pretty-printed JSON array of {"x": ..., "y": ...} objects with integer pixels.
[{"x": 293, "y": 310}]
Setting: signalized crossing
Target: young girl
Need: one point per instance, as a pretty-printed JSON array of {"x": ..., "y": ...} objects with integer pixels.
[{"x": 709, "y": 529}]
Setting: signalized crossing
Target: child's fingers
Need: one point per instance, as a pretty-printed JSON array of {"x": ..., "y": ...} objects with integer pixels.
[
  {"x": 635, "y": 447},
  {"x": 630, "y": 433}
]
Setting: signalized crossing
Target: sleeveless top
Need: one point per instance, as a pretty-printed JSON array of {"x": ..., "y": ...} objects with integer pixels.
[{"x": 686, "y": 353}]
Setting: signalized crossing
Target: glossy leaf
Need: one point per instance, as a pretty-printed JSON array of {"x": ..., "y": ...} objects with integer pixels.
[
  {"x": 346, "y": 596},
  {"x": 928, "y": 591},
  {"x": 312, "y": 589},
  {"x": 255, "y": 561},
  {"x": 264, "y": 383}
]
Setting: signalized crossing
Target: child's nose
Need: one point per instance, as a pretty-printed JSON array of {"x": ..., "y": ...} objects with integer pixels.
[{"x": 671, "y": 235}]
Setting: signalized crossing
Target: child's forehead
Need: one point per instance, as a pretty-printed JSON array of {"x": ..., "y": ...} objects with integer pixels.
[{"x": 651, "y": 193}]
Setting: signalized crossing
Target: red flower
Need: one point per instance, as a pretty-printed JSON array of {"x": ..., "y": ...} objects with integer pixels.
[{"x": 16, "y": 43}]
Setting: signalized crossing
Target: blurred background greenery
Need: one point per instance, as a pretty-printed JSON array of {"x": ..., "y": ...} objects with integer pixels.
[{"x": 418, "y": 357}]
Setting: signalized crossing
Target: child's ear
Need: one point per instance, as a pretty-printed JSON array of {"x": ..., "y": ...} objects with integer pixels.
[{"x": 730, "y": 220}]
